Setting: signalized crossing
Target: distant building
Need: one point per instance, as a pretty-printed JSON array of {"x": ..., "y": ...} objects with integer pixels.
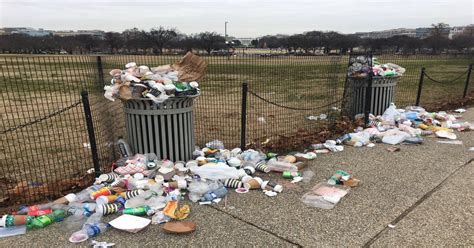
[
  {"x": 26, "y": 31},
  {"x": 458, "y": 30},
  {"x": 387, "y": 33},
  {"x": 96, "y": 33},
  {"x": 64, "y": 33},
  {"x": 245, "y": 41},
  {"x": 422, "y": 33}
]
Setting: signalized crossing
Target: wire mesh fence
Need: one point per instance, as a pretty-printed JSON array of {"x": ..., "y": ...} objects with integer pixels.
[{"x": 45, "y": 150}]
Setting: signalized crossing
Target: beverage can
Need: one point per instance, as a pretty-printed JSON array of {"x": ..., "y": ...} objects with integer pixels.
[{"x": 291, "y": 174}]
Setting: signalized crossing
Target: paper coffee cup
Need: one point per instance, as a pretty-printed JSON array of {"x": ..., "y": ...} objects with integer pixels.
[
  {"x": 192, "y": 163},
  {"x": 254, "y": 184},
  {"x": 182, "y": 184},
  {"x": 246, "y": 179},
  {"x": 249, "y": 170},
  {"x": 233, "y": 183},
  {"x": 269, "y": 185}
]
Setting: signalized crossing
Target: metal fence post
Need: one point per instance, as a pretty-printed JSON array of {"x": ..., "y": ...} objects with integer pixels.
[
  {"x": 420, "y": 86},
  {"x": 90, "y": 130},
  {"x": 100, "y": 70},
  {"x": 467, "y": 81},
  {"x": 368, "y": 93},
  {"x": 243, "y": 118}
]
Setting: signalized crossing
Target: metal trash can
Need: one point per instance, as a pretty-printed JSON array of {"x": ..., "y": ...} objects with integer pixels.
[
  {"x": 165, "y": 129},
  {"x": 383, "y": 93}
]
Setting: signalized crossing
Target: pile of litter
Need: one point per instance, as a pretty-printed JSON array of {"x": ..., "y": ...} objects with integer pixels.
[
  {"x": 360, "y": 67},
  {"x": 404, "y": 126},
  {"x": 145, "y": 189},
  {"x": 157, "y": 83}
]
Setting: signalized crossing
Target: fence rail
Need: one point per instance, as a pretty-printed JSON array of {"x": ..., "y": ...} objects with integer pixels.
[{"x": 46, "y": 149}]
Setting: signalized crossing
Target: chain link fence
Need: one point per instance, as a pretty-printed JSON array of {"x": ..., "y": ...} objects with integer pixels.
[{"x": 45, "y": 150}]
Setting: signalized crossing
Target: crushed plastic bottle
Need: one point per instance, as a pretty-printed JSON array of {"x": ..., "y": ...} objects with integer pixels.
[
  {"x": 89, "y": 231},
  {"x": 214, "y": 194}
]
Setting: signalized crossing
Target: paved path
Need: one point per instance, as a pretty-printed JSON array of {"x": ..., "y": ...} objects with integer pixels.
[{"x": 425, "y": 191}]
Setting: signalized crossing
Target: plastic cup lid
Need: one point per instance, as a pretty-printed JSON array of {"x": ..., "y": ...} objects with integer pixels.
[
  {"x": 77, "y": 237},
  {"x": 243, "y": 190},
  {"x": 103, "y": 177},
  {"x": 138, "y": 176}
]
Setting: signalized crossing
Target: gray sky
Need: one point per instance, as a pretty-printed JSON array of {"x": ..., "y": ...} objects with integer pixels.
[{"x": 246, "y": 18}]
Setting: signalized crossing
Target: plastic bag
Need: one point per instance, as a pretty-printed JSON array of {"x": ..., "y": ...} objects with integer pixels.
[
  {"x": 391, "y": 114},
  {"x": 324, "y": 195},
  {"x": 198, "y": 188},
  {"x": 111, "y": 91},
  {"x": 219, "y": 171}
]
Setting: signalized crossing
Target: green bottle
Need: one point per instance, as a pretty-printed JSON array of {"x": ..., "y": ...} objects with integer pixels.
[
  {"x": 140, "y": 211},
  {"x": 46, "y": 220}
]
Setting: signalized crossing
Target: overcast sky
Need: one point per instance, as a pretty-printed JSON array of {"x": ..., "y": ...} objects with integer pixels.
[{"x": 246, "y": 18}]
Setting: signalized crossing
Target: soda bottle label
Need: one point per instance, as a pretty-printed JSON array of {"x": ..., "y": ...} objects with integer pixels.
[
  {"x": 213, "y": 195},
  {"x": 95, "y": 230},
  {"x": 33, "y": 208},
  {"x": 45, "y": 220},
  {"x": 38, "y": 212}
]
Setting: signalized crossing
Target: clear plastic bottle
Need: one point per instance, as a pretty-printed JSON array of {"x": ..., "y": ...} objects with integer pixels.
[
  {"x": 84, "y": 195},
  {"x": 123, "y": 148},
  {"x": 281, "y": 166},
  {"x": 88, "y": 231},
  {"x": 31, "y": 210},
  {"x": 213, "y": 194}
]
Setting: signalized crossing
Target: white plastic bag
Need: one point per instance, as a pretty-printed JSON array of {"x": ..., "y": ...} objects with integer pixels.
[
  {"x": 391, "y": 113},
  {"x": 219, "y": 171}
]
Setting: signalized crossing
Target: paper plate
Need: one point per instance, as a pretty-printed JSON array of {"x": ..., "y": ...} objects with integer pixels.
[
  {"x": 130, "y": 223},
  {"x": 446, "y": 134}
]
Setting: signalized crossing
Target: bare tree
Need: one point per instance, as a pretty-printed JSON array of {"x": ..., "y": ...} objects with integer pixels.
[
  {"x": 161, "y": 37},
  {"x": 114, "y": 41},
  {"x": 210, "y": 41}
]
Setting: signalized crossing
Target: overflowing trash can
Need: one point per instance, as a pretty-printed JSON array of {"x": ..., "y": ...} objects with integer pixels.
[
  {"x": 382, "y": 94},
  {"x": 165, "y": 129},
  {"x": 158, "y": 105},
  {"x": 366, "y": 71}
]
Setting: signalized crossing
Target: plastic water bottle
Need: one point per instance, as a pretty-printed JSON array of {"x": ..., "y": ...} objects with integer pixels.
[
  {"x": 89, "y": 231},
  {"x": 35, "y": 209},
  {"x": 46, "y": 220},
  {"x": 84, "y": 195},
  {"x": 123, "y": 148},
  {"x": 76, "y": 219},
  {"x": 281, "y": 166},
  {"x": 214, "y": 194}
]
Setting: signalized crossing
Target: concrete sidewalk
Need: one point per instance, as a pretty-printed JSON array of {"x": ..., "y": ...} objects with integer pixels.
[{"x": 424, "y": 190}]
